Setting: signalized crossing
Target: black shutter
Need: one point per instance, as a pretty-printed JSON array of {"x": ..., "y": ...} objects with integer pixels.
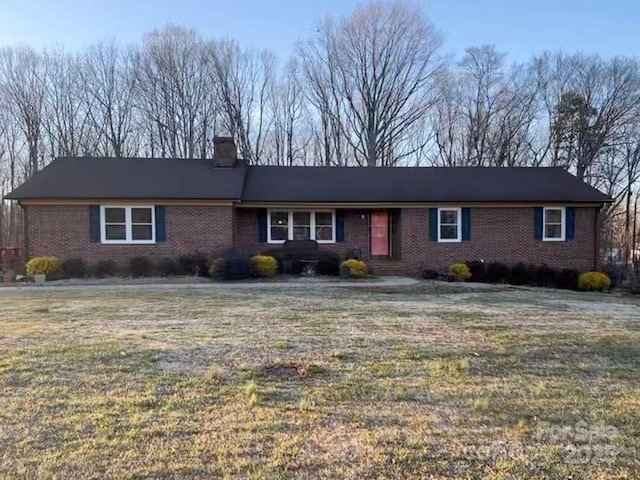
[
  {"x": 339, "y": 225},
  {"x": 538, "y": 220},
  {"x": 466, "y": 224},
  {"x": 571, "y": 222},
  {"x": 161, "y": 226},
  {"x": 433, "y": 224},
  {"x": 262, "y": 225},
  {"x": 94, "y": 222}
]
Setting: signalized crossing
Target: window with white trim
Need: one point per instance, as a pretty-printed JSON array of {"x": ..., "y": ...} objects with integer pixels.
[
  {"x": 554, "y": 224},
  {"x": 120, "y": 224},
  {"x": 318, "y": 225},
  {"x": 449, "y": 225}
]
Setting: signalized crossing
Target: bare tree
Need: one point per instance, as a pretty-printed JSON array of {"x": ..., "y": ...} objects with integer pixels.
[
  {"x": 485, "y": 113},
  {"x": 22, "y": 84},
  {"x": 379, "y": 65},
  {"x": 66, "y": 121},
  {"x": 173, "y": 91},
  {"x": 107, "y": 73},
  {"x": 589, "y": 102},
  {"x": 244, "y": 82}
]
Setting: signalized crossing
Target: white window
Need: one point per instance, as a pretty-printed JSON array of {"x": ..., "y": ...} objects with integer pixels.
[
  {"x": 318, "y": 225},
  {"x": 127, "y": 224},
  {"x": 449, "y": 225},
  {"x": 555, "y": 225}
]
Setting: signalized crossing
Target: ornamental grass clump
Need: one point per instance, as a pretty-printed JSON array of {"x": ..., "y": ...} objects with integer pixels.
[
  {"x": 459, "y": 272},
  {"x": 355, "y": 268},
  {"x": 594, "y": 281},
  {"x": 265, "y": 265},
  {"x": 46, "y": 265}
]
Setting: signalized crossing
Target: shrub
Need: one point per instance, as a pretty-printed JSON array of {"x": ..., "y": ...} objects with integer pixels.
[
  {"x": 356, "y": 268},
  {"x": 430, "y": 274},
  {"x": 47, "y": 265},
  {"x": 194, "y": 264},
  {"x": 140, "y": 267},
  {"x": 328, "y": 264},
  {"x": 104, "y": 268},
  {"x": 264, "y": 265},
  {"x": 458, "y": 272},
  {"x": 596, "y": 281},
  {"x": 167, "y": 267},
  {"x": 478, "y": 270},
  {"x": 236, "y": 267},
  {"x": 74, "y": 268},
  {"x": 616, "y": 276},
  {"x": 545, "y": 276},
  {"x": 216, "y": 268},
  {"x": 568, "y": 279},
  {"x": 520, "y": 274},
  {"x": 497, "y": 272}
]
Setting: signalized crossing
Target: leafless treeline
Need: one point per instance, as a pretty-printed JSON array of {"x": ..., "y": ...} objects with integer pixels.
[{"x": 372, "y": 89}]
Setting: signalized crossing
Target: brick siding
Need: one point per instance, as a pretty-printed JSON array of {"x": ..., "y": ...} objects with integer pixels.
[
  {"x": 500, "y": 234},
  {"x": 64, "y": 231},
  {"x": 504, "y": 234},
  {"x": 356, "y": 232}
]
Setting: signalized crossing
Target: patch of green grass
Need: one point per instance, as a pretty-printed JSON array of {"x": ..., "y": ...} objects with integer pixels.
[
  {"x": 282, "y": 345},
  {"x": 338, "y": 355}
]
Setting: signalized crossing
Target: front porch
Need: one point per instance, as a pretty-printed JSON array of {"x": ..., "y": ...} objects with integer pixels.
[{"x": 375, "y": 235}]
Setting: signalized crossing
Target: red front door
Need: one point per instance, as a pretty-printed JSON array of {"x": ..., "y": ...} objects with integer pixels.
[{"x": 380, "y": 233}]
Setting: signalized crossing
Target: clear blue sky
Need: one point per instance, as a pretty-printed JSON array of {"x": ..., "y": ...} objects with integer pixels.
[{"x": 518, "y": 27}]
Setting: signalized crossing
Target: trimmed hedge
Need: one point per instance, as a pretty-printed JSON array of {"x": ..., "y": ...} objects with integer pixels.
[
  {"x": 430, "y": 274},
  {"x": 140, "y": 267},
  {"x": 568, "y": 279},
  {"x": 104, "y": 268},
  {"x": 74, "y": 268},
  {"x": 235, "y": 267},
  {"x": 167, "y": 267},
  {"x": 193, "y": 264},
  {"x": 497, "y": 272},
  {"x": 519, "y": 274},
  {"x": 478, "y": 271}
]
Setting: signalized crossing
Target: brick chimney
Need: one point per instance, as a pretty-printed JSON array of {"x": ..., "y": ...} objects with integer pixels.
[{"x": 225, "y": 153}]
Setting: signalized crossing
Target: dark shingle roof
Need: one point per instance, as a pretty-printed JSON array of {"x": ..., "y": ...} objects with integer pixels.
[
  {"x": 416, "y": 184},
  {"x": 85, "y": 177},
  {"x": 146, "y": 178}
]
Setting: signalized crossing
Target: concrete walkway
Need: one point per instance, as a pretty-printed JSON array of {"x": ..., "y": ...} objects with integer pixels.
[{"x": 296, "y": 284}]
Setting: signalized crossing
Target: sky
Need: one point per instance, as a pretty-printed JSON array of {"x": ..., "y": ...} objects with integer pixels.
[{"x": 520, "y": 28}]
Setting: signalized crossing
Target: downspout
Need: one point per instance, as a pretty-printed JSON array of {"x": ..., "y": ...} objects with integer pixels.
[
  {"x": 596, "y": 238},
  {"x": 23, "y": 228}
]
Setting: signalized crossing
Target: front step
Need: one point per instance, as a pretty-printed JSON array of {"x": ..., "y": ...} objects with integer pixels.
[{"x": 387, "y": 267}]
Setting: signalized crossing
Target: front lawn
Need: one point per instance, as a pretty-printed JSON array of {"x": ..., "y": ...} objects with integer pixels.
[{"x": 426, "y": 382}]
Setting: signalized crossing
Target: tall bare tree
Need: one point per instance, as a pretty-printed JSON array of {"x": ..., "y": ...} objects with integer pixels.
[
  {"x": 379, "y": 65},
  {"x": 173, "y": 91},
  {"x": 23, "y": 74},
  {"x": 589, "y": 102},
  {"x": 244, "y": 82},
  {"x": 108, "y": 73}
]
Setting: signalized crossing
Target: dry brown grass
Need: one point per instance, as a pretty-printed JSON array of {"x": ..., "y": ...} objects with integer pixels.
[{"x": 425, "y": 382}]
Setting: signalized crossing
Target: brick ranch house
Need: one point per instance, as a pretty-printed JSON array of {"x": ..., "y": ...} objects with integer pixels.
[{"x": 401, "y": 220}]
